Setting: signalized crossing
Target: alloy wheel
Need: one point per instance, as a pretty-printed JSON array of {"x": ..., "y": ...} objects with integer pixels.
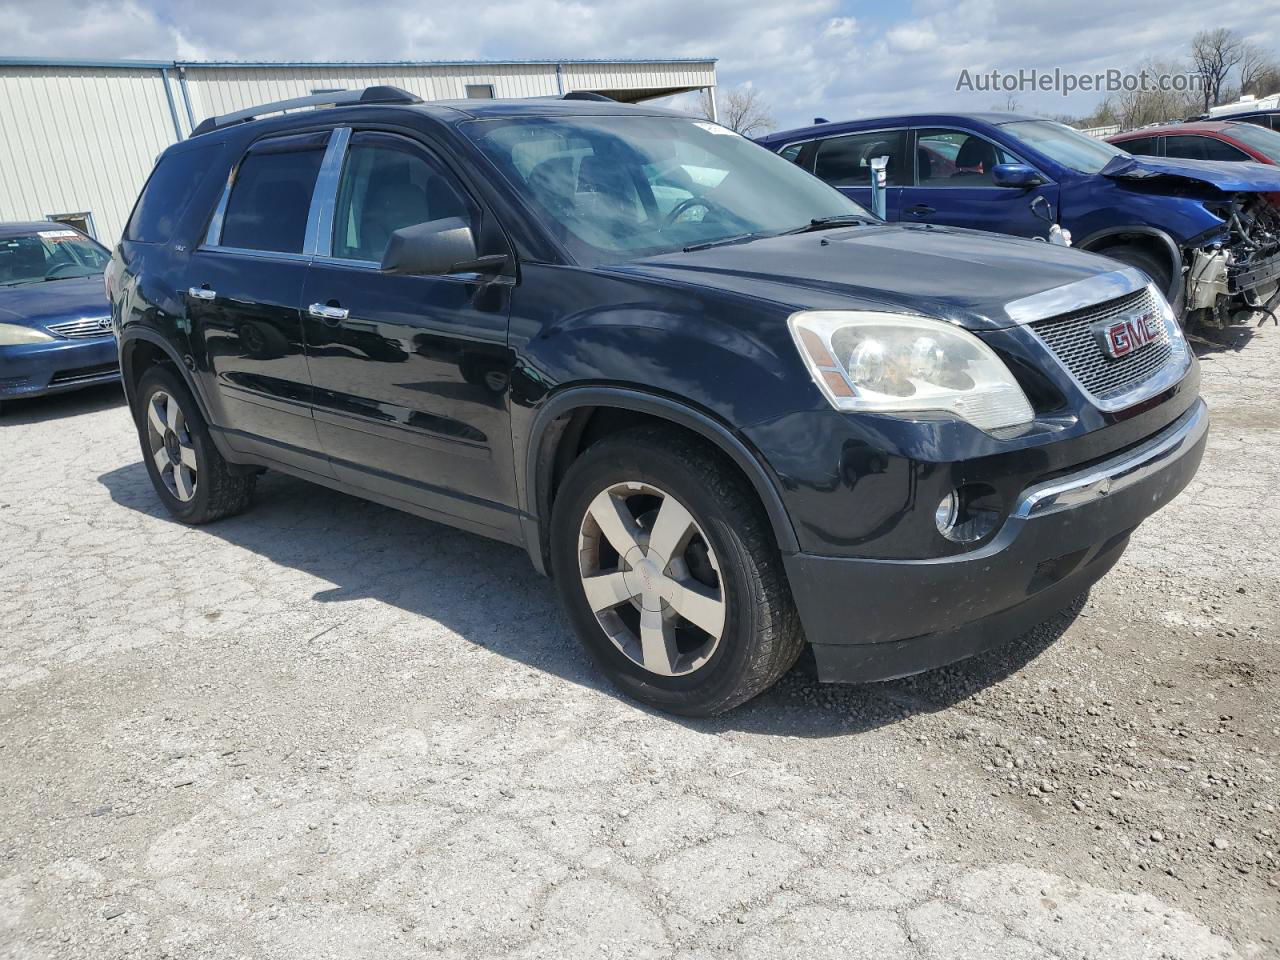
[
  {"x": 652, "y": 578},
  {"x": 170, "y": 443}
]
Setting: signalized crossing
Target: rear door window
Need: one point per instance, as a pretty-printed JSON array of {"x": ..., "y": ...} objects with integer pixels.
[
  {"x": 270, "y": 198},
  {"x": 169, "y": 189},
  {"x": 1202, "y": 148},
  {"x": 846, "y": 161}
]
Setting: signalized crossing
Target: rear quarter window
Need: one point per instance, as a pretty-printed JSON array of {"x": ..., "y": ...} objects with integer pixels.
[{"x": 168, "y": 191}]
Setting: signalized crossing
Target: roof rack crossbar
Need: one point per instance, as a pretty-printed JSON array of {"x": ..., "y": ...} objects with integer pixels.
[{"x": 338, "y": 98}]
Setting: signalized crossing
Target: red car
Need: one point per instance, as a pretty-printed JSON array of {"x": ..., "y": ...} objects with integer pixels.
[{"x": 1203, "y": 140}]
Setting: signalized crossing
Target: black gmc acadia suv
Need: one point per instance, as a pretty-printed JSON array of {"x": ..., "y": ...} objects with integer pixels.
[{"x": 728, "y": 409}]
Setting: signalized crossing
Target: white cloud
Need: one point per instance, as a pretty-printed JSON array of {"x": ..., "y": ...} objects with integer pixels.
[{"x": 840, "y": 28}]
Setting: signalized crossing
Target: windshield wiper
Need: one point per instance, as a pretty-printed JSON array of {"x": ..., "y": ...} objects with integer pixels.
[
  {"x": 723, "y": 241},
  {"x": 825, "y": 223}
]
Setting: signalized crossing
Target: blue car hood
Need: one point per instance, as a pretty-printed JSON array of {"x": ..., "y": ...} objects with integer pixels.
[
  {"x": 40, "y": 304},
  {"x": 1227, "y": 177}
]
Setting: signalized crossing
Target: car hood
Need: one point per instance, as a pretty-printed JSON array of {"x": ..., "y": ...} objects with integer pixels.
[
  {"x": 967, "y": 277},
  {"x": 39, "y": 304},
  {"x": 1224, "y": 176}
]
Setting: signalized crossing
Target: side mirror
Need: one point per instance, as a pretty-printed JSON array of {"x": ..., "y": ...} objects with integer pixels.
[
  {"x": 1017, "y": 175},
  {"x": 436, "y": 247}
]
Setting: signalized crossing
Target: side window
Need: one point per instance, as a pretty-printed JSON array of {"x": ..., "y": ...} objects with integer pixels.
[
  {"x": 1140, "y": 146},
  {"x": 846, "y": 161},
  {"x": 956, "y": 158},
  {"x": 271, "y": 195},
  {"x": 388, "y": 183},
  {"x": 168, "y": 191},
  {"x": 791, "y": 152},
  {"x": 1201, "y": 148}
]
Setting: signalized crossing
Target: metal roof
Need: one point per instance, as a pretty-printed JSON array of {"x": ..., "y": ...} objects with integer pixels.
[{"x": 329, "y": 64}]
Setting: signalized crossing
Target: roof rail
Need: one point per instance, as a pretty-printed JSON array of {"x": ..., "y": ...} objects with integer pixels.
[
  {"x": 338, "y": 98},
  {"x": 586, "y": 95}
]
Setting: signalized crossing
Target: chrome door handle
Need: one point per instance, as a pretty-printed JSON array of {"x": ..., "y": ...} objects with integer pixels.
[
  {"x": 327, "y": 313},
  {"x": 202, "y": 293}
]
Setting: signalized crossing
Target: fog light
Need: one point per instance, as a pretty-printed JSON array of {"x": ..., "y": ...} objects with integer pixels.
[
  {"x": 945, "y": 515},
  {"x": 968, "y": 513}
]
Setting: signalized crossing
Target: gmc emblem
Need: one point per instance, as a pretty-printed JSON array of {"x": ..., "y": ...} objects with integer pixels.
[{"x": 1122, "y": 337}]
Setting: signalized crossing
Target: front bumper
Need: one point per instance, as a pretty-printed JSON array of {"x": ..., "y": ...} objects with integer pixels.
[
  {"x": 880, "y": 619},
  {"x": 36, "y": 369}
]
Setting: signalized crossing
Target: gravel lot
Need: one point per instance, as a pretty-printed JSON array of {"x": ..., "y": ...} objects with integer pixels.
[{"x": 326, "y": 729}]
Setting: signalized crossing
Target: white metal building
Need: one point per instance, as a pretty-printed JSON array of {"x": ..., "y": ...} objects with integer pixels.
[{"x": 78, "y": 137}]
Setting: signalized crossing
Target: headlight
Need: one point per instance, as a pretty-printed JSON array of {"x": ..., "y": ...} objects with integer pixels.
[
  {"x": 11, "y": 335},
  {"x": 900, "y": 363}
]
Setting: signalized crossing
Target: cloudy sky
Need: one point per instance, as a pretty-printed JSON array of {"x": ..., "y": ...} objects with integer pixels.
[{"x": 834, "y": 58}]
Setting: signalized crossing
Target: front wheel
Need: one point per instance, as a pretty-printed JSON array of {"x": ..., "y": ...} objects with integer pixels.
[
  {"x": 1154, "y": 267},
  {"x": 668, "y": 569}
]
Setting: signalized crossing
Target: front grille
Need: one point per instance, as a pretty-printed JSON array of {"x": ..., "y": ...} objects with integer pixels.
[
  {"x": 1073, "y": 341},
  {"x": 84, "y": 327},
  {"x": 84, "y": 374}
]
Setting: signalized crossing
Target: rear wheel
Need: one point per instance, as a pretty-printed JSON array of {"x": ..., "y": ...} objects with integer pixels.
[
  {"x": 193, "y": 481},
  {"x": 670, "y": 575}
]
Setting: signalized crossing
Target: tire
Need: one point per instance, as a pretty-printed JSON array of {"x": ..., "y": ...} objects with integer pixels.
[
  {"x": 722, "y": 566},
  {"x": 197, "y": 494},
  {"x": 1154, "y": 267}
]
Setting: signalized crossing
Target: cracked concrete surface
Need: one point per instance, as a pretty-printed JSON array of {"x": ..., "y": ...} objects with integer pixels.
[{"x": 327, "y": 730}]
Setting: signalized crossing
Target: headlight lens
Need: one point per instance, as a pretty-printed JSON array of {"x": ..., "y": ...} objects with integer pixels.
[
  {"x": 900, "y": 363},
  {"x": 11, "y": 335}
]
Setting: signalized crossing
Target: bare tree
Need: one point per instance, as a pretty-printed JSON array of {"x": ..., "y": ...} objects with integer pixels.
[
  {"x": 1258, "y": 69},
  {"x": 1215, "y": 54},
  {"x": 1137, "y": 108},
  {"x": 1011, "y": 104},
  {"x": 741, "y": 109}
]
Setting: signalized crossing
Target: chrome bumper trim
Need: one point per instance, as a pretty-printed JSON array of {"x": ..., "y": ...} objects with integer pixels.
[{"x": 1116, "y": 474}]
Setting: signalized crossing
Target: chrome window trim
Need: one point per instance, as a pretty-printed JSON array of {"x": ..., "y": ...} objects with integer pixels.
[
  {"x": 324, "y": 198},
  {"x": 1070, "y": 297},
  {"x": 257, "y": 254}
]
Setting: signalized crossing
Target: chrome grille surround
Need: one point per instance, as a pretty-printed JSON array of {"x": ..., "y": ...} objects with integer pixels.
[
  {"x": 1114, "y": 383},
  {"x": 82, "y": 328}
]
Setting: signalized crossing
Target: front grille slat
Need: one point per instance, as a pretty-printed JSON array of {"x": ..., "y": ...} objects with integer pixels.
[
  {"x": 1072, "y": 340},
  {"x": 82, "y": 328}
]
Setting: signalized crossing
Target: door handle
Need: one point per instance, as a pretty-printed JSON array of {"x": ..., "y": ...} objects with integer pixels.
[
  {"x": 202, "y": 293},
  {"x": 330, "y": 315},
  {"x": 921, "y": 210}
]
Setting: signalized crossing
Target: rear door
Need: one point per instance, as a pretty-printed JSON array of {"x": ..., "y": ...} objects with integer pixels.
[
  {"x": 1197, "y": 147},
  {"x": 845, "y": 163},
  {"x": 244, "y": 285},
  {"x": 953, "y": 185},
  {"x": 410, "y": 372}
]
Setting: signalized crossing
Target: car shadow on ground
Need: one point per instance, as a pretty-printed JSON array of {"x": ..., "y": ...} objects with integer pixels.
[
  {"x": 489, "y": 594},
  {"x": 1207, "y": 341},
  {"x": 27, "y": 410}
]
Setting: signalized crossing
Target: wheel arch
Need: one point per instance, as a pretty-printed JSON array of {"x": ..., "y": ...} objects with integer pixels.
[
  {"x": 141, "y": 348},
  {"x": 1151, "y": 238},
  {"x": 558, "y": 428}
]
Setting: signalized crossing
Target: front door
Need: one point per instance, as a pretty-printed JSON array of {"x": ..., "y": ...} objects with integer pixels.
[
  {"x": 410, "y": 372},
  {"x": 953, "y": 185},
  {"x": 244, "y": 284}
]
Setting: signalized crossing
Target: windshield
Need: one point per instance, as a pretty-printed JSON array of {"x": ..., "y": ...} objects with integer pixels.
[
  {"x": 1069, "y": 147},
  {"x": 53, "y": 254},
  {"x": 617, "y": 188},
  {"x": 1264, "y": 141}
]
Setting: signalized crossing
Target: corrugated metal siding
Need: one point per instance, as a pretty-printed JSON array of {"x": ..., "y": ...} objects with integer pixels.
[{"x": 76, "y": 138}]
